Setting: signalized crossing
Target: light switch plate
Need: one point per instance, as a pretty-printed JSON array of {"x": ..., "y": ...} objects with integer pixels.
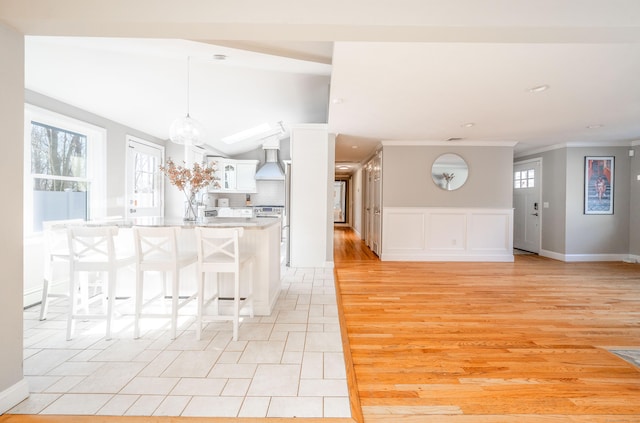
[{"x": 545, "y": 204}]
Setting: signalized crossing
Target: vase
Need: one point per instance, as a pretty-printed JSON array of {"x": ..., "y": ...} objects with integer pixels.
[{"x": 190, "y": 208}]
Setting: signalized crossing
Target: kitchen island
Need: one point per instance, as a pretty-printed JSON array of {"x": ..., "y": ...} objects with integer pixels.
[{"x": 261, "y": 237}]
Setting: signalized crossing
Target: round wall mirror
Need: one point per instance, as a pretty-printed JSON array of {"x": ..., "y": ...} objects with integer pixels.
[{"x": 449, "y": 171}]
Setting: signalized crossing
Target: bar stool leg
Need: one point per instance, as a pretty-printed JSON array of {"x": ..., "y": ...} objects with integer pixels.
[
  {"x": 44, "y": 305},
  {"x": 175, "y": 297},
  {"x": 139, "y": 300}
]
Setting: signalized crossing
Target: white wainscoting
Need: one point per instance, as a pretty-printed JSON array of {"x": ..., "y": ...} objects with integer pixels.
[{"x": 447, "y": 234}]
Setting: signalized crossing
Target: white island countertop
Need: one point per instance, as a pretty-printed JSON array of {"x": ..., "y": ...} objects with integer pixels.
[{"x": 248, "y": 223}]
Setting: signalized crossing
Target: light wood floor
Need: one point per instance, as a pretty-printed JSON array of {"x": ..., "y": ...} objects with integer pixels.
[
  {"x": 491, "y": 342},
  {"x": 479, "y": 342}
]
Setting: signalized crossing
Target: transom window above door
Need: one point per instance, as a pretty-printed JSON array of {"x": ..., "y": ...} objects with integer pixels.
[{"x": 524, "y": 179}]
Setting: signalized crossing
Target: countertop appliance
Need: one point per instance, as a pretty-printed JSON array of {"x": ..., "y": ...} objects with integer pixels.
[{"x": 268, "y": 211}]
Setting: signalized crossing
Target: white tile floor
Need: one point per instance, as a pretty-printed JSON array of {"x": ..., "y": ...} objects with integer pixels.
[{"x": 289, "y": 364}]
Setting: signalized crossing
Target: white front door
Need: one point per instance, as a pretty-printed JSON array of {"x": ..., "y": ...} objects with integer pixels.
[
  {"x": 144, "y": 194},
  {"x": 527, "y": 205}
]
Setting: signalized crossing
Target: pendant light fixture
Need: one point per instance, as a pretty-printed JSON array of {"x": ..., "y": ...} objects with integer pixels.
[{"x": 186, "y": 130}]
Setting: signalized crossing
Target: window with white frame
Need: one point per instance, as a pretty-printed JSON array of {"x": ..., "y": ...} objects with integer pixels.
[
  {"x": 524, "y": 179},
  {"x": 64, "y": 169}
]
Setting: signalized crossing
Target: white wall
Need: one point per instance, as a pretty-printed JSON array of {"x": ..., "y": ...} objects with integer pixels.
[
  {"x": 311, "y": 191},
  {"x": 13, "y": 387},
  {"x": 447, "y": 234}
]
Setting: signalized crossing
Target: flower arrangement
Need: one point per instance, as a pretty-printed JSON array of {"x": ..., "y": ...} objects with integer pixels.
[
  {"x": 190, "y": 180},
  {"x": 448, "y": 176}
]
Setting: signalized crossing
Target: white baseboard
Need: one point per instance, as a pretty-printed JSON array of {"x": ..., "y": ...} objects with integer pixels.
[
  {"x": 574, "y": 258},
  {"x": 13, "y": 395},
  {"x": 551, "y": 255}
]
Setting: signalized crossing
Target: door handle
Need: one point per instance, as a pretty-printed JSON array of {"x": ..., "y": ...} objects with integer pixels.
[{"x": 535, "y": 214}]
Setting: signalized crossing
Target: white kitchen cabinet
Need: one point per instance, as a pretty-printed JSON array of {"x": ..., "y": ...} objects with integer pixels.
[
  {"x": 234, "y": 175},
  {"x": 228, "y": 175},
  {"x": 246, "y": 175}
]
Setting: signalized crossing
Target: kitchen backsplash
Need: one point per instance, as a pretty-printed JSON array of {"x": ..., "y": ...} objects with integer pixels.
[{"x": 270, "y": 193}]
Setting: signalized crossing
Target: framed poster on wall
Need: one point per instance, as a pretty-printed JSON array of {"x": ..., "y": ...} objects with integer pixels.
[{"x": 598, "y": 184}]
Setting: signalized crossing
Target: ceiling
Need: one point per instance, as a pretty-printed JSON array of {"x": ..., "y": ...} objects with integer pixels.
[
  {"x": 143, "y": 83},
  {"x": 405, "y": 71}
]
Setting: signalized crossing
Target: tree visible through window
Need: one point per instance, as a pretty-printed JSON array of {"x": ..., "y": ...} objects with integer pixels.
[{"x": 59, "y": 172}]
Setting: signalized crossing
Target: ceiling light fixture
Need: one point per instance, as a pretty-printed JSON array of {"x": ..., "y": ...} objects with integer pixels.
[
  {"x": 596, "y": 126},
  {"x": 539, "y": 89},
  {"x": 186, "y": 130},
  {"x": 468, "y": 125}
]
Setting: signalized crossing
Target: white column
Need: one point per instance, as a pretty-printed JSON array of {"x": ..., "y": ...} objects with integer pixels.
[{"x": 310, "y": 206}]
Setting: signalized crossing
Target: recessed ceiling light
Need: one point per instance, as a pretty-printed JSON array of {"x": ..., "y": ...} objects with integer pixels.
[
  {"x": 596, "y": 126},
  {"x": 343, "y": 167},
  {"x": 539, "y": 89},
  {"x": 354, "y": 146},
  {"x": 468, "y": 125}
]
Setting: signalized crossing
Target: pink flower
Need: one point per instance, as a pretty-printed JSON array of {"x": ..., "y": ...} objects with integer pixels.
[{"x": 190, "y": 180}]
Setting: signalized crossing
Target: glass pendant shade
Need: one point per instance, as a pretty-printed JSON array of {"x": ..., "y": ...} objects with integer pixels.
[{"x": 186, "y": 131}]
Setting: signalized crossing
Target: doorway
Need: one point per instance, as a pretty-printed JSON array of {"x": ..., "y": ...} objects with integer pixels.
[
  {"x": 340, "y": 202},
  {"x": 527, "y": 205},
  {"x": 144, "y": 193}
]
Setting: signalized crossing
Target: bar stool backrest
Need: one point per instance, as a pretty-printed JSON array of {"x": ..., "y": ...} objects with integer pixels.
[
  {"x": 156, "y": 247},
  {"x": 218, "y": 249},
  {"x": 92, "y": 247}
]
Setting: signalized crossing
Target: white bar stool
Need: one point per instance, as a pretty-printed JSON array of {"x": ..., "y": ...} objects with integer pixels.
[
  {"x": 157, "y": 251},
  {"x": 93, "y": 250},
  {"x": 219, "y": 252},
  {"x": 56, "y": 251}
]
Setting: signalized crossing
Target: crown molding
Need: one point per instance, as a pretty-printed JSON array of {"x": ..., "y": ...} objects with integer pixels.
[
  {"x": 461, "y": 143},
  {"x": 576, "y": 145}
]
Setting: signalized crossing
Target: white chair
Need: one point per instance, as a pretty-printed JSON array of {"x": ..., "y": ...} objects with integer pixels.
[
  {"x": 93, "y": 251},
  {"x": 56, "y": 251},
  {"x": 157, "y": 251},
  {"x": 219, "y": 252}
]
